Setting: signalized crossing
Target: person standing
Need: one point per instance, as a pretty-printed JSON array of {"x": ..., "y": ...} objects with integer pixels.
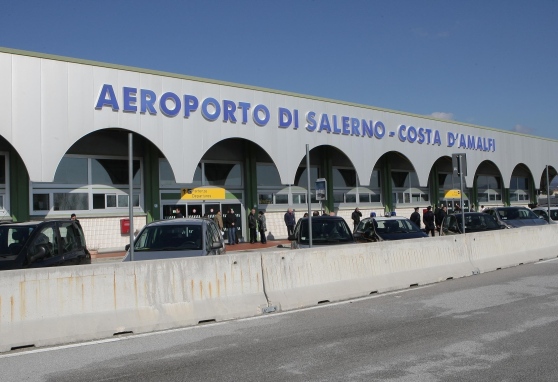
[
  {"x": 262, "y": 227},
  {"x": 437, "y": 216},
  {"x": 218, "y": 219},
  {"x": 290, "y": 221},
  {"x": 428, "y": 220},
  {"x": 252, "y": 225},
  {"x": 356, "y": 215},
  {"x": 230, "y": 220},
  {"x": 415, "y": 217},
  {"x": 440, "y": 218}
]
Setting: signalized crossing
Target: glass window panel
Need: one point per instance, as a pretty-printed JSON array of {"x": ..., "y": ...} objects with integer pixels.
[
  {"x": 265, "y": 198},
  {"x": 399, "y": 179},
  {"x": 122, "y": 200},
  {"x": 113, "y": 171},
  {"x": 166, "y": 176},
  {"x": 281, "y": 199},
  {"x": 111, "y": 201},
  {"x": 136, "y": 200},
  {"x": 338, "y": 197},
  {"x": 375, "y": 198},
  {"x": 70, "y": 201},
  {"x": 424, "y": 197},
  {"x": 2, "y": 170},
  {"x": 98, "y": 201},
  {"x": 267, "y": 175},
  {"x": 301, "y": 177},
  {"x": 71, "y": 171},
  {"x": 375, "y": 179},
  {"x": 41, "y": 202},
  {"x": 364, "y": 198},
  {"x": 344, "y": 177},
  {"x": 223, "y": 174},
  {"x": 350, "y": 198}
]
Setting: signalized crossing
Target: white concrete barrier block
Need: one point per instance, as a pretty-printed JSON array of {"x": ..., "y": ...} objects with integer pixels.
[{"x": 51, "y": 306}]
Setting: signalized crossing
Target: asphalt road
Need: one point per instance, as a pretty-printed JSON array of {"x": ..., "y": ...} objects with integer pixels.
[{"x": 497, "y": 326}]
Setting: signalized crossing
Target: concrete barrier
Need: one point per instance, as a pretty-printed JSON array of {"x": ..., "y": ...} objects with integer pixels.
[
  {"x": 307, "y": 277},
  {"x": 60, "y": 305},
  {"x": 510, "y": 247}
]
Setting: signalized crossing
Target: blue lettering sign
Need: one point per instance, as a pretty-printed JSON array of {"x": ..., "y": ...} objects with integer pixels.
[
  {"x": 311, "y": 122},
  {"x": 261, "y": 109},
  {"x": 107, "y": 98},
  {"x": 163, "y": 104},
  {"x": 285, "y": 117},
  {"x": 147, "y": 101}
]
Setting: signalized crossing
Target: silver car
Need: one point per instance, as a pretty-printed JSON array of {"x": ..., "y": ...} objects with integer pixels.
[{"x": 167, "y": 239}]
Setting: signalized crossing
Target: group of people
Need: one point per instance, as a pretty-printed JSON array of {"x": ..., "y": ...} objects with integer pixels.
[
  {"x": 432, "y": 219},
  {"x": 229, "y": 222}
]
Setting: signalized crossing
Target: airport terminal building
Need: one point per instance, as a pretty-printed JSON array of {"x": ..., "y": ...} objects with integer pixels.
[{"x": 200, "y": 146}]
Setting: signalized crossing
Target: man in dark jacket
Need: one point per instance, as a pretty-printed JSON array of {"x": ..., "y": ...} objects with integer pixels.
[
  {"x": 252, "y": 225},
  {"x": 428, "y": 220},
  {"x": 440, "y": 217},
  {"x": 415, "y": 217},
  {"x": 290, "y": 221},
  {"x": 356, "y": 215},
  {"x": 230, "y": 221}
]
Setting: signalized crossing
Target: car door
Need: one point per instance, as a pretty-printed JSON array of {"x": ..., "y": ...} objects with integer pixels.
[
  {"x": 71, "y": 243},
  {"x": 43, "y": 249}
]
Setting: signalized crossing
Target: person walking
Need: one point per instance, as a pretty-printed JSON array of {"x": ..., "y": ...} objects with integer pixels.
[
  {"x": 356, "y": 215},
  {"x": 230, "y": 220},
  {"x": 262, "y": 227},
  {"x": 415, "y": 217},
  {"x": 428, "y": 220},
  {"x": 290, "y": 221},
  {"x": 252, "y": 225}
]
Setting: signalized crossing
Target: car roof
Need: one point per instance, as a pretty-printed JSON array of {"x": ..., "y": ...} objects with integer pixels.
[
  {"x": 468, "y": 213},
  {"x": 179, "y": 221},
  {"x": 322, "y": 217},
  {"x": 381, "y": 218},
  {"x": 545, "y": 208},
  {"x": 508, "y": 208}
]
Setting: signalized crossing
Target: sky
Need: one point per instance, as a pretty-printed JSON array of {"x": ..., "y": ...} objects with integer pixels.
[{"x": 484, "y": 62}]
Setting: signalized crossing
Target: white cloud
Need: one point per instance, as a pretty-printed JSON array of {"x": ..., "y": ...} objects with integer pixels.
[
  {"x": 522, "y": 129},
  {"x": 442, "y": 115}
]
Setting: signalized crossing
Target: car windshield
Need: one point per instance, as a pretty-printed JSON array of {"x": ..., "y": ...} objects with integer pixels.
[
  {"x": 478, "y": 222},
  {"x": 516, "y": 214},
  {"x": 326, "y": 232},
  {"x": 12, "y": 239},
  {"x": 395, "y": 226},
  {"x": 170, "y": 238}
]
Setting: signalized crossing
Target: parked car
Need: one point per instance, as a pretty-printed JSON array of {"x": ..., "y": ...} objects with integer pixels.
[
  {"x": 387, "y": 228},
  {"x": 42, "y": 244},
  {"x": 514, "y": 217},
  {"x": 543, "y": 212},
  {"x": 474, "y": 222},
  {"x": 167, "y": 239},
  {"x": 326, "y": 230}
]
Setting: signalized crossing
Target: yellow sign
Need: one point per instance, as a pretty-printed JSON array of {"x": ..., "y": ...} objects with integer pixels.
[
  {"x": 453, "y": 194},
  {"x": 203, "y": 193}
]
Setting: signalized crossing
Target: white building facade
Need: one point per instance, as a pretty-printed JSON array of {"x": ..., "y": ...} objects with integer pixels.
[{"x": 64, "y": 127}]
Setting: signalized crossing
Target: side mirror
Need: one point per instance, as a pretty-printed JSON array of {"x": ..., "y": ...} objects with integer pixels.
[
  {"x": 216, "y": 245},
  {"x": 39, "y": 255},
  {"x": 127, "y": 247}
]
